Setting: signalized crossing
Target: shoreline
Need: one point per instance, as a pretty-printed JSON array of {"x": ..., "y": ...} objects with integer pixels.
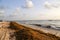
[
  {"x": 40, "y": 32},
  {"x": 29, "y": 32},
  {"x": 45, "y": 30}
]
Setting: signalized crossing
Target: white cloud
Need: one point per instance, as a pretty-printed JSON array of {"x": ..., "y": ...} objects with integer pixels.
[
  {"x": 29, "y": 4},
  {"x": 53, "y": 11},
  {"x": 47, "y": 4},
  {"x": 53, "y": 14},
  {"x": 51, "y": 5},
  {"x": 2, "y": 11},
  {"x": 17, "y": 11},
  {"x": 16, "y": 15}
]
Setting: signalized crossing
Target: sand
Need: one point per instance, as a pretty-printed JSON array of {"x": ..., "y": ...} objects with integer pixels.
[
  {"x": 22, "y": 32},
  {"x": 27, "y": 33}
]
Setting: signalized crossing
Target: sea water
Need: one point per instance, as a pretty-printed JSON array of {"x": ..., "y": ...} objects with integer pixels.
[{"x": 54, "y": 23}]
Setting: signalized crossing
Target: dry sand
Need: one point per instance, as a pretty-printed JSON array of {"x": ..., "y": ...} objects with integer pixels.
[
  {"x": 45, "y": 30},
  {"x": 28, "y": 33}
]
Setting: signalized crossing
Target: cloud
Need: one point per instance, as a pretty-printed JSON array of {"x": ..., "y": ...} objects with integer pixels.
[
  {"x": 15, "y": 14},
  {"x": 29, "y": 4},
  {"x": 2, "y": 9},
  {"x": 16, "y": 11},
  {"x": 53, "y": 14},
  {"x": 53, "y": 11},
  {"x": 47, "y": 4},
  {"x": 51, "y": 5},
  {"x": 2, "y": 12}
]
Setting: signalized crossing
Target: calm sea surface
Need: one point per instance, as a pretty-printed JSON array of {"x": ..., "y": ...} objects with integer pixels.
[{"x": 56, "y": 22}]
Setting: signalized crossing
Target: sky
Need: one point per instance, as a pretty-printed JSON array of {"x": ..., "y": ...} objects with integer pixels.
[{"x": 30, "y": 9}]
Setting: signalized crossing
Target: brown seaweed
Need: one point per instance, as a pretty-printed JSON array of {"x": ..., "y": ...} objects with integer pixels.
[{"x": 26, "y": 33}]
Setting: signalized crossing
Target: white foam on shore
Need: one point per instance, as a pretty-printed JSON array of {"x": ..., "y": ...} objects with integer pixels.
[{"x": 45, "y": 30}]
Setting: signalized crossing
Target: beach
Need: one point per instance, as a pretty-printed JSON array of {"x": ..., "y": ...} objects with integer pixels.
[
  {"x": 29, "y": 32},
  {"x": 34, "y": 33},
  {"x": 45, "y": 30}
]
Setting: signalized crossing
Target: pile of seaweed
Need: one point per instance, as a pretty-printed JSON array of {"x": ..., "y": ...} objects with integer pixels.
[{"x": 26, "y": 33}]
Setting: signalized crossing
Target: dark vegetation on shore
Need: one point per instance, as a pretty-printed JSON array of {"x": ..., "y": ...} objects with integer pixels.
[{"x": 25, "y": 33}]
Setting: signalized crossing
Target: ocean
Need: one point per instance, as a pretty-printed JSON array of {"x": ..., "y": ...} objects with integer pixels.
[
  {"x": 53, "y": 23},
  {"x": 56, "y": 22}
]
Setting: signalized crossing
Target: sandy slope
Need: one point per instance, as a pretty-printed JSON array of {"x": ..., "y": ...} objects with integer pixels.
[
  {"x": 28, "y": 33},
  {"x": 45, "y": 30}
]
